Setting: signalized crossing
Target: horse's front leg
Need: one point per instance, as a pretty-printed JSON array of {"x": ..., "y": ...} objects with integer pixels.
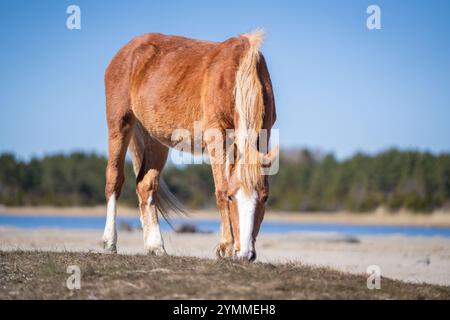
[
  {"x": 216, "y": 151},
  {"x": 225, "y": 248}
]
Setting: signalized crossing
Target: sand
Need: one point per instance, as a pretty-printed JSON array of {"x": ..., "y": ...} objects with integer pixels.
[{"x": 411, "y": 259}]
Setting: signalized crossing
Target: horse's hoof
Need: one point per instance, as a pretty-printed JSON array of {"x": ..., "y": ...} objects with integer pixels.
[
  {"x": 156, "y": 251},
  {"x": 224, "y": 251},
  {"x": 109, "y": 248}
]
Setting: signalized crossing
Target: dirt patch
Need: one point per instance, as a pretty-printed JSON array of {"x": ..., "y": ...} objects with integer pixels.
[{"x": 42, "y": 275}]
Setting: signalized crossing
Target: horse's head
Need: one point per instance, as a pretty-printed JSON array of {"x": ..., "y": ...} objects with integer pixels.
[{"x": 247, "y": 207}]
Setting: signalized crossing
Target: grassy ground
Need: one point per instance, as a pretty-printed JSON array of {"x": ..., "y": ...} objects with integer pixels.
[{"x": 42, "y": 275}]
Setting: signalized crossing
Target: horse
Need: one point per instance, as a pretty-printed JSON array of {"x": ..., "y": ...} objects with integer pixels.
[{"x": 156, "y": 84}]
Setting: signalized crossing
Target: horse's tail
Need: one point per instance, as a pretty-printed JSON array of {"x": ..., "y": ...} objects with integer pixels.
[
  {"x": 249, "y": 105},
  {"x": 166, "y": 202}
]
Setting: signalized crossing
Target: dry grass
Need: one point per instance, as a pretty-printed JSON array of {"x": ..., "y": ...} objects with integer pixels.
[{"x": 42, "y": 275}]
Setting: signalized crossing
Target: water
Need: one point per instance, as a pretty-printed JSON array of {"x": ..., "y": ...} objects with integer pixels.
[{"x": 64, "y": 222}]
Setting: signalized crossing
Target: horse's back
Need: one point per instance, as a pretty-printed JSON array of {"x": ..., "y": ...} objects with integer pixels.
[
  {"x": 168, "y": 79},
  {"x": 172, "y": 81}
]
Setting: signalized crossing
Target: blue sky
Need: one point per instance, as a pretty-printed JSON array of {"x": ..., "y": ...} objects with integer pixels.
[{"x": 339, "y": 86}]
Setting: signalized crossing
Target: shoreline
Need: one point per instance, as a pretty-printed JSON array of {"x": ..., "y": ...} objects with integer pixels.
[{"x": 379, "y": 217}]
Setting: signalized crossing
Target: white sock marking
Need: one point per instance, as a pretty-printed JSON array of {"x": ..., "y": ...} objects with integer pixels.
[
  {"x": 110, "y": 234},
  {"x": 154, "y": 238}
]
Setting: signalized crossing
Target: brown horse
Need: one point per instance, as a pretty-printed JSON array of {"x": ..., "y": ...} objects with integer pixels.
[{"x": 157, "y": 84}]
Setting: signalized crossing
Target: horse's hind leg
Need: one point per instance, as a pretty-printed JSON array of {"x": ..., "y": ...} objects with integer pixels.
[
  {"x": 120, "y": 127},
  {"x": 155, "y": 156}
]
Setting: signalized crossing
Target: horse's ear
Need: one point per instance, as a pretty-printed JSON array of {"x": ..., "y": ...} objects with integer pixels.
[{"x": 270, "y": 157}]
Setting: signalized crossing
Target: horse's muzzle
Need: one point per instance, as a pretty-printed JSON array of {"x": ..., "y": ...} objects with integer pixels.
[{"x": 246, "y": 255}]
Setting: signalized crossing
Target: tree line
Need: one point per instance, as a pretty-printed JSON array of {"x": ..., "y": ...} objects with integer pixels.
[{"x": 306, "y": 181}]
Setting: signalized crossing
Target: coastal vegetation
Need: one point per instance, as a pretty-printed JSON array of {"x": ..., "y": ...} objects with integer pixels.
[{"x": 306, "y": 181}]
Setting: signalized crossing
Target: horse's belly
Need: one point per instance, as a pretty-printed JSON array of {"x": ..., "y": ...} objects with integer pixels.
[{"x": 177, "y": 128}]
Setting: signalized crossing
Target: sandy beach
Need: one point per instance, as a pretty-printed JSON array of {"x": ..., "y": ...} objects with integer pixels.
[{"x": 411, "y": 259}]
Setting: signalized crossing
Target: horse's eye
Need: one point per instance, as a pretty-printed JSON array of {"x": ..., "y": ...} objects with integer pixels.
[
  {"x": 265, "y": 198},
  {"x": 230, "y": 197}
]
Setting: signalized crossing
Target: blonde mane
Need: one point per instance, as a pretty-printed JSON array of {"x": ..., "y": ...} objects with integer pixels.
[{"x": 249, "y": 105}]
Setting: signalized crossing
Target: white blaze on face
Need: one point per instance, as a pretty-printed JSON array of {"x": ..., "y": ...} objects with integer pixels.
[
  {"x": 110, "y": 234},
  {"x": 246, "y": 209}
]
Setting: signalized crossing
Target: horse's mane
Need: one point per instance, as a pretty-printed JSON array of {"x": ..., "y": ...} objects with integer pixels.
[{"x": 249, "y": 104}]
